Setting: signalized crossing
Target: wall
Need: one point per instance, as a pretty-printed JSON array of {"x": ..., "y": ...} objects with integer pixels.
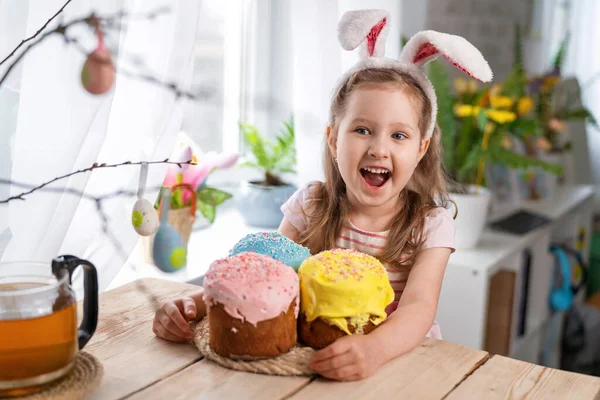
[{"x": 487, "y": 24}]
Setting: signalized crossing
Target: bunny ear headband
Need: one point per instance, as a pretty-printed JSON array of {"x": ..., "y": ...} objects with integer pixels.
[{"x": 368, "y": 30}]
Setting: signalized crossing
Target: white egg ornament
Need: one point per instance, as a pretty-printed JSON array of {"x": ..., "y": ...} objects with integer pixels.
[{"x": 144, "y": 218}]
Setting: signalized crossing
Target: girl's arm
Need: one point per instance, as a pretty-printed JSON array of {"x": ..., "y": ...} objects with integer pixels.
[
  {"x": 358, "y": 356},
  {"x": 287, "y": 229},
  {"x": 200, "y": 306},
  {"x": 171, "y": 319},
  {"x": 406, "y": 327}
]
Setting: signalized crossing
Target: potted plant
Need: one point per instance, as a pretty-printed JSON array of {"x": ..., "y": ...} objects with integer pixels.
[
  {"x": 553, "y": 113},
  {"x": 482, "y": 129},
  {"x": 260, "y": 201}
]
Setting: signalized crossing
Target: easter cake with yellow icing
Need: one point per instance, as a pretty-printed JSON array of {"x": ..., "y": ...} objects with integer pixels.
[{"x": 342, "y": 292}]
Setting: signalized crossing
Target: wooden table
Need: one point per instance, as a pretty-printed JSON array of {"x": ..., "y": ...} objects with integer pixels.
[{"x": 137, "y": 365}]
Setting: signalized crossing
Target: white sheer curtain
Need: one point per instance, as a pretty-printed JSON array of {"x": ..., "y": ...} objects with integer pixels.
[
  {"x": 583, "y": 62},
  {"x": 51, "y": 126},
  {"x": 318, "y": 62}
]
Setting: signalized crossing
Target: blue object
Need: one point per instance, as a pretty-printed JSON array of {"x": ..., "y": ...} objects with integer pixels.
[
  {"x": 168, "y": 250},
  {"x": 561, "y": 298},
  {"x": 260, "y": 205},
  {"x": 275, "y": 245}
]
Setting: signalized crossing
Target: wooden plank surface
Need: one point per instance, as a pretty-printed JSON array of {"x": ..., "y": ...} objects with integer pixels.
[
  {"x": 140, "y": 366},
  {"x": 132, "y": 356},
  {"x": 129, "y": 305},
  {"x": 207, "y": 380},
  {"x": 506, "y": 378},
  {"x": 430, "y": 371}
]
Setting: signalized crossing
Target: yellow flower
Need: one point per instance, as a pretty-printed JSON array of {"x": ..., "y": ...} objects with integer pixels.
[
  {"x": 500, "y": 116},
  {"x": 500, "y": 101},
  {"x": 548, "y": 82},
  {"x": 465, "y": 110},
  {"x": 524, "y": 105}
]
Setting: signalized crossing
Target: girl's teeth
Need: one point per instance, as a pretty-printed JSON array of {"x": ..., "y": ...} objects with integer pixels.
[{"x": 376, "y": 170}]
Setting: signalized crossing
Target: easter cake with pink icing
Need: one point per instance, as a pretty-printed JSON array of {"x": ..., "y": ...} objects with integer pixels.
[{"x": 253, "y": 303}]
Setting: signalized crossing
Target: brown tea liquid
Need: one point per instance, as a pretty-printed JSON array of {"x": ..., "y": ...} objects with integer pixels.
[{"x": 36, "y": 346}]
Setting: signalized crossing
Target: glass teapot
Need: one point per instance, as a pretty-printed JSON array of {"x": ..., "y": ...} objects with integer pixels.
[{"x": 38, "y": 321}]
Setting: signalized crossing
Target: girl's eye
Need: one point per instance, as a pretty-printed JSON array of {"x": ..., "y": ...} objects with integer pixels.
[
  {"x": 362, "y": 131},
  {"x": 399, "y": 136}
]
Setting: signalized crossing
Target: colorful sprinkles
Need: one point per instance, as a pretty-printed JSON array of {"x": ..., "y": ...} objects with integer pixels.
[{"x": 275, "y": 245}]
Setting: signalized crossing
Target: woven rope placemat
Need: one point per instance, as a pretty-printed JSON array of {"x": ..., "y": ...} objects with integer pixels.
[
  {"x": 296, "y": 362},
  {"x": 84, "y": 377}
]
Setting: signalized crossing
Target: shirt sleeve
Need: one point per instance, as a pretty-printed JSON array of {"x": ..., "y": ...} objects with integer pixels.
[
  {"x": 294, "y": 209},
  {"x": 439, "y": 229}
]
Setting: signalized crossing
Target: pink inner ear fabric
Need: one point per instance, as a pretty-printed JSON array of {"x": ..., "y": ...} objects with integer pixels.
[
  {"x": 428, "y": 49},
  {"x": 373, "y": 35}
]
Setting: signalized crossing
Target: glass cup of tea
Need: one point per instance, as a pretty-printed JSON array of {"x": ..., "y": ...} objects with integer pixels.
[{"x": 39, "y": 336}]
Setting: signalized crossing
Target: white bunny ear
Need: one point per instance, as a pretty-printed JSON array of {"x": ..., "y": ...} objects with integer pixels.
[
  {"x": 365, "y": 28},
  {"x": 428, "y": 45}
]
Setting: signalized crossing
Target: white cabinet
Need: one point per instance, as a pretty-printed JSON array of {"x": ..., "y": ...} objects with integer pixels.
[{"x": 464, "y": 306}]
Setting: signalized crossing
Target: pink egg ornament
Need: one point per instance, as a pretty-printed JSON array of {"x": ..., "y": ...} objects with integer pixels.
[{"x": 98, "y": 72}]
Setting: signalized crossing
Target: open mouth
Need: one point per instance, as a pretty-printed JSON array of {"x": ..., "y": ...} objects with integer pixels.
[{"x": 376, "y": 177}]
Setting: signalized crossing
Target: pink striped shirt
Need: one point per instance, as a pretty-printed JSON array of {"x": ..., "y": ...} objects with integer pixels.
[{"x": 438, "y": 232}]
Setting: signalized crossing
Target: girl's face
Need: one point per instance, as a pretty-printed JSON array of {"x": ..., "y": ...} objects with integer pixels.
[{"x": 377, "y": 145}]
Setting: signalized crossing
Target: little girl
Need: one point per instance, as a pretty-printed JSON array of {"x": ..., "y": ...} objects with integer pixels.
[{"x": 384, "y": 192}]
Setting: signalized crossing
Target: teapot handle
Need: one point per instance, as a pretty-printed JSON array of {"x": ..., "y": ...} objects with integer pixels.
[{"x": 90, "y": 300}]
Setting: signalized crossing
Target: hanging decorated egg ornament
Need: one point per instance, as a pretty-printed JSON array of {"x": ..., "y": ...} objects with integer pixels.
[
  {"x": 144, "y": 216},
  {"x": 98, "y": 72},
  {"x": 168, "y": 250}
]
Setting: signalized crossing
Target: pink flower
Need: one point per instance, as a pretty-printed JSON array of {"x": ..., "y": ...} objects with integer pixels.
[
  {"x": 184, "y": 156},
  {"x": 196, "y": 175}
]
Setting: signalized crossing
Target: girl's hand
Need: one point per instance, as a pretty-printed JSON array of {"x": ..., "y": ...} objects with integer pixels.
[
  {"x": 171, "y": 320},
  {"x": 349, "y": 358}
]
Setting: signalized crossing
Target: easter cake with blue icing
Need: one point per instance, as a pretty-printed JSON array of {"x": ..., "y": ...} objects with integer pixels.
[{"x": 274, "y": 245}]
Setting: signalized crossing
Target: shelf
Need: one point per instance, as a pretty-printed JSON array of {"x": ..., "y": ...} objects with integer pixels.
[{"x": 496, "y": 246}]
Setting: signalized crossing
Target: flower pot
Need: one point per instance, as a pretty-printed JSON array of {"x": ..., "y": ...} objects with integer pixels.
[
  {"x": 535, "y": 183},
  {"x": 549, "y": 180},
  {"x": 503, "y": 185},
  {"x": 260, "y": 205},
  {"x": 472, "y": 216}
]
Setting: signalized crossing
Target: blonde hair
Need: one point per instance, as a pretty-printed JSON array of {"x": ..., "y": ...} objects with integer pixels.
[{"x": 426, "y": 190}]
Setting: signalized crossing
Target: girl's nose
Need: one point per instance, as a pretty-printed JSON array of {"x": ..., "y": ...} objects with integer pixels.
[{"x": 378, "y": 148}]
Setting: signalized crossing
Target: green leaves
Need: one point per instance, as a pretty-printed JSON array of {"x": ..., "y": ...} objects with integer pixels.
[
  {"x": 471, "y": 162},
  {"x": 445, "y": 118},
  {"x": 212, "y": 196},
  {"x": 271, "y": 156},
  {"x": 208, "y": 211},
  {"x": 514, "y": 86},
  {"x": 577, "y": 114},
  {"x": 257, "y": 145},
  {"x": 562, "y": 51},
  {"x": 207, "y": 200},
  {"x": 518, "y": 161},
  {"x": 482, "y": 119}
]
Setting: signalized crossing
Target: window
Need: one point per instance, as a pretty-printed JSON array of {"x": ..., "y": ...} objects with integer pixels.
[
  {"x": 217, "y": 68},
  {"x": 243, "y": 57}
]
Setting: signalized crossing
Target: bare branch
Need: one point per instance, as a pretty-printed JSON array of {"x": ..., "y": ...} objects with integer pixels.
[
  {"x": 35, "y": 34},
  {"x": 62, "y": 29},
  {"x": 21, "y": 196}
]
